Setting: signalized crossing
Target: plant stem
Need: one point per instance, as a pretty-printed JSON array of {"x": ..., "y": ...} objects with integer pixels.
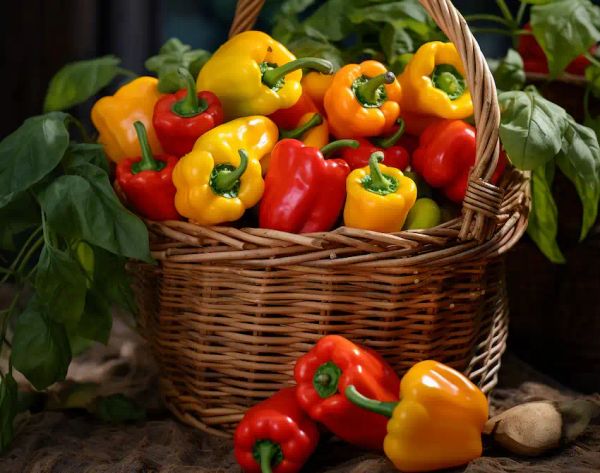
[
  {"x": 521, "y": 13},
  {"x": 5, "y": 315},
  {"x": 492, "y": 18},
  {"x": 592, "y": 59},
  {"x": 505, "y": 11},
  {"x": 85, "y": 136},
  {"x": 493, "y": 31},
  {"x": 12, "y": 270}
]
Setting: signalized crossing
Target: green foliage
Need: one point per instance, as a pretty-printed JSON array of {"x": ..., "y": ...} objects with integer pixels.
[
  {"x": 509, "y": 73},
  {"x": 117, "y": 409},
  {"x": 8, "y": 409}
]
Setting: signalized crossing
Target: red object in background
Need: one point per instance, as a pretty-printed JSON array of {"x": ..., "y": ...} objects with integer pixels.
[
  {"x": 535, "y": 59},
  {"x": 446, "y": 154},
  {"x": 288, "y": 118},
  {"x": 277, "y": 432},
  {"x": 324, "y": 373}
]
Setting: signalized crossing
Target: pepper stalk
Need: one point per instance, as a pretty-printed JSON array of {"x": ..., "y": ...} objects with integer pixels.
[{"x": 147, "y": 163}]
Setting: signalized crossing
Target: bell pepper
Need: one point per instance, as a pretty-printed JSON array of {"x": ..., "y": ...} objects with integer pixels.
[
  {"x": 252, "y": 74},
  {"x": 181, "y": 118},
  {"x": 304, "y": 191},
  {"x": 535, "y": 60},
  {"x": 146, "y": 181},
  {"x": 322, "y": 376},
  {"x": 416, "y": 123},
  {"x": 221, "y": 177},
  {"x": 436, "y": 424},
  {"x": 394, "y": 156},
  {"x": 275, "y": 435},
  {"x": 379, "y": 197},
  {"x": 362, "y": 100},
  {"x": 426, "y": 213},
  {"x": 113, "y": 116},
  {"x": 433, "y": 83},
  {"x": 445, "y": 156},
  {"x": 288, "y": 118},
  {"x": 315, "y": 85}
]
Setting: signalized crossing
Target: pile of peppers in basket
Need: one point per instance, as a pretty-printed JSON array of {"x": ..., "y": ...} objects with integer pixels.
[
  {"x": 430, "y": 419},
  {"x": 308, "y": 148}
]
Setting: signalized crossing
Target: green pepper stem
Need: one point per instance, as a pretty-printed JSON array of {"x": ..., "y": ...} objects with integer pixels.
[
  {"x": 378, "y": 407},
  {"x": 298, "y": 132},
  {"x": 378, "y": 180},
  {"x": 225, "y": 181},
  {"x": 267, "y": 452},
  {"x": 335, "y": 145},
  {"x": 147, "y": 163},
  {"x": 391, "y": 140},
  {"x": 272, "y": 76},
  {"x": 368, "y": 90},
  {"x": 190, "y": 105},
  {"x": 326, "y": 379}
]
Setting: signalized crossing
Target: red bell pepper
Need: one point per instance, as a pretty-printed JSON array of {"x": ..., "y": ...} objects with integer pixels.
[
  {"x": 181, "y": 118},
  {"x": 147, "y": 182},
  {"x": 275, "y": 435},
  {"x": 324, "y": 373},
  {"x": 394, "y": 155},
  {"x": 535, "y": 60},
  {"x": 304, "y": 192},
  {"x": 445, "y": 156},
  {"x": 288, "y": 118}
]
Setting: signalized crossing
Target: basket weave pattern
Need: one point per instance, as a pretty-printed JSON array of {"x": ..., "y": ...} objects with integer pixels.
[{"x": 229, "y": 310}]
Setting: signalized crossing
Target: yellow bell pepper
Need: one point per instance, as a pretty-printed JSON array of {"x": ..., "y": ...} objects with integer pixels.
[
  {"x": 252, "y": 74},
  {"x": 114, "y": 116},
  {"x": 379, "y": 197},
  {"x": 436, "y": 424},
  {"x": 433, "y": 83},
  {"x": 315, "y": 84},
  {"x": 221, "y": 177}
]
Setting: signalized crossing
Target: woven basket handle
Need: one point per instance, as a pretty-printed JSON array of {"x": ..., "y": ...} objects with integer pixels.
[{"x": 483, "y": 200}]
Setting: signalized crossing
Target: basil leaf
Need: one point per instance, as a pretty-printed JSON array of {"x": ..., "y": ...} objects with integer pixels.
[
  {"x": 579, "y": 160},
  {"x": 86, "y": 208},
  {"x": 305, "y": 46},
  {"x": 79, "y": 153},
  {"x": 118, "y": 409},
  {"x": 61, "y": 283},
  {"x": 531, "y": 128},
  {"x": 565, "y": 29},
  {"x": 21, "y": 212},
  {"x": 592, "y": 77},
  {"x": 8, "y": 410},
  {"x": 543, "y": 218},
  {"x": 40, "y": 347},
  {"x": 77, "y": 82},
  {"x": 509, "y": 74},
  {"x": 117, "y": 287},
  {"x": 171, "y": 56},
  {"x": 330, "y": 20},
  {"x": 96, "y": 320},
  {"x": 395, "y": 41},
  {"x": 390, "y": 11},
  {"x": 31, "y": 152}
]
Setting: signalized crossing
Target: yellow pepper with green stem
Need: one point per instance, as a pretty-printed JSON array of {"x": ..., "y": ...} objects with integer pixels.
[{"x": 221, "y": 177}]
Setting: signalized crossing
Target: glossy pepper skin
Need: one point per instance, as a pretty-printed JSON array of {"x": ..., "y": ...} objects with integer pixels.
[
  {"x": 446, "y": 154},
  {"x": 394, "y": 155},
  {"x": 304, "y": 192},
  {"x": 252, "y": 74},
  {"x": 438, "y": 422},
  {"x": 114, "y": 116},
  {"x": 434, "y": 83},
  {"x": 535, "y": 60},
  {"x": 362, "y": 100},
  {"x": 215, "y": 183},
  {"x": 288, "y": 118},
  {"x": 324, "y": 373},
  {"x": 180, "y": 119},
  {"x": 275, "y": 435},
  {"x": 147, "y": 181},
  {"x": 315, "y": 85},
  {"x": 379, "y": 197}
]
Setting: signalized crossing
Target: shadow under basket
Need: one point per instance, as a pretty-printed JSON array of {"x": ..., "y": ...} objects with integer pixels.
[{"x": 227, "y": 311}]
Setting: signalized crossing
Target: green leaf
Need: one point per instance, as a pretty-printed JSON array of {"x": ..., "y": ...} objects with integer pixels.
[
  {"x": 112, "y": 280},
  {"x": 118, "y": 409},
  {"x": 543, "y": 218},
  {"x": 171, "y": 56},
  {"x": 8, "y": 410},
  {"x": 86, "y": 153},
  {"x": 19, "y": 213},
  {"x": 96, "y": 320},
  {"x": 509, "y": 73},
  {"x": 40, "y": 347},
  {"x": 31, "y": 152},
  {"x": 330, "y": 21},
  {"x": 395, "y": 41},
  {"x": 305, "y": 46},
  {"x": 592, "y": 77},
  {"x": 77, "y": 82},
  {"x": 390, "y": 11},
  {"x": 84, "y": 207},
  {"x": 61, "y": 283},
  {"x": 579, "y": 160},
  {"x": 565, "y": 29},
  {"x": 531, "y": 128}
]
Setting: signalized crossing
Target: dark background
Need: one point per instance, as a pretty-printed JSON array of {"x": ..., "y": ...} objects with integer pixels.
[{"x": 555, "y": 309}]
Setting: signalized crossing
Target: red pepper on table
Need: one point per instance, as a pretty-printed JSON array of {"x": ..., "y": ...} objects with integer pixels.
[
  {"x": 181, "y": 118},
  {"x": 304, "y": 192},
  {"x": 275, "y": 435},
  {"x": 535, "y": 60},
  {"x": 324, "y": 373},
  {"x": 288, "y": 118},
  {"x": 147, "y": 182},
  {"x": 445, "y": 156},
  {"x": 394, "y": 155}
]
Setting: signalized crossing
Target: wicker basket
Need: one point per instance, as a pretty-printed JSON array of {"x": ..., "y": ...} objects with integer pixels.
[{"x": 228, "y": 310}]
